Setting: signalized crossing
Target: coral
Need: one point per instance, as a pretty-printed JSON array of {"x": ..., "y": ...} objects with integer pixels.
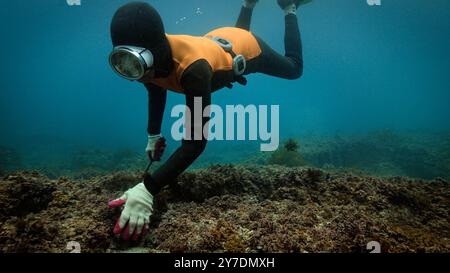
[
  {"x": 234, "y": 208},
  {"x": 226, "y": 236},
  {"x": 291, "y": 145},
  {"x": 288, "y": 155}
]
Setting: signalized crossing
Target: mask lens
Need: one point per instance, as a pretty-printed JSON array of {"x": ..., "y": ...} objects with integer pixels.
[{"x": 127, "y": 65}]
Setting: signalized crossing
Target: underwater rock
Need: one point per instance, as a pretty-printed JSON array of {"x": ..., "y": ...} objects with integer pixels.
[
  {"x": 21, "y": 194},
  {"x": 47, "y": 215},
  {"x": 236, "y": 208},
  {"x": 119, "y": 181},
  {"x": 214, "y": 181}
]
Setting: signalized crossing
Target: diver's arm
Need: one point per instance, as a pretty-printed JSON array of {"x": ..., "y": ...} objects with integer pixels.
[
  {"x": 156, "y": 105},
  {"x": 196, "y": 80}
]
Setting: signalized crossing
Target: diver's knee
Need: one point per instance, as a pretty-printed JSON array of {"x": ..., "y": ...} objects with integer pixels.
[{"x": 297, "y": 72}]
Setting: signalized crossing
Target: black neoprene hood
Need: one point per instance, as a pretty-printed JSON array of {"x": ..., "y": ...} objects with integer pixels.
[{"x": 139, "y": 24}]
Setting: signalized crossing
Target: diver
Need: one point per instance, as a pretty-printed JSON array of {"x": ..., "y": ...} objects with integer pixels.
[{"x": 194, "y": 67}]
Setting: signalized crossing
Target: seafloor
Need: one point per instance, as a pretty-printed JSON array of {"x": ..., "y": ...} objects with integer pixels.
[{"x": 226, "y": 208}]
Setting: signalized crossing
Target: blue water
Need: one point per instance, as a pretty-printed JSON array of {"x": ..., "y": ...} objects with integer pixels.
[{"x": 365, "y": 68}]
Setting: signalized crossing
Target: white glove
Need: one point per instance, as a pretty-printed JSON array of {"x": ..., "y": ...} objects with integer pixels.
[
  {"x": 151, "y": 145},
  {"x": 137, "y": 211}
]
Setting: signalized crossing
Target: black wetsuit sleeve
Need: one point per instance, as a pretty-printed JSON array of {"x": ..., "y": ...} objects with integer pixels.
[
  {"x": 196, "y": 81},
  {"x": 156, "y": 104}
]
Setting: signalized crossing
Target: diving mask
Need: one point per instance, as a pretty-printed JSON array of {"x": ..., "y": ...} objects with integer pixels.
[{"x": 131, "y": 62}]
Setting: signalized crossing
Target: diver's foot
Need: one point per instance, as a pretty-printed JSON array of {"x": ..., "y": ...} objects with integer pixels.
[{"x": 250, "y": 3}]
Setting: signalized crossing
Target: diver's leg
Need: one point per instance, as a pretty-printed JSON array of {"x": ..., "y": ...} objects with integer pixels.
[
  {"x": 245, "y": 17},
  {"x": 293, "y": 41},
  {"x": 289, "y": 66}
]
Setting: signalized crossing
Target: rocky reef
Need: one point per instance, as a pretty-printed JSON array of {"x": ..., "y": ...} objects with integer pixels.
[
  {"x": 383, "y": 153},
  {"x": 380, "y": 153},
  {"x": 231, "y": 208}
]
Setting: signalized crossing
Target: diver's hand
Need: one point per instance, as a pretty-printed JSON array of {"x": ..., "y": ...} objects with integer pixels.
[
  {"x": 250, "y": 3},
  {"x": 155, "y": 147},
  {"x": 136, "y": 214}
]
